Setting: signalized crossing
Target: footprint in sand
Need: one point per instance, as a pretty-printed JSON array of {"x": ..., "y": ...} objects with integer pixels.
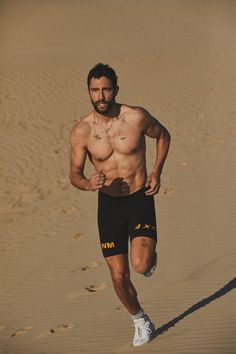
[
  {"x": 64, "y": 327},
  {"x": 91, "y": 289},
  {"x": 68, "y": 210},
  {"x": 51, "y": 234},
  {"x": 94, "y": 289},
  {"x": 78, "y": 236},
  {"x": 7, "y": 248},
  {"x": 83, "y": 268},
  {"x": 167, "y": 190},
  {"x": 89, "y": 266},
  {"x": 21, "y": 331}
]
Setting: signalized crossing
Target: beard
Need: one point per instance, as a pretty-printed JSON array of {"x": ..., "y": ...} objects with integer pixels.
[{"x": 106, "y": 109}]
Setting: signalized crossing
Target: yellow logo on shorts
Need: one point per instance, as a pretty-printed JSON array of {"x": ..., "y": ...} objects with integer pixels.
[
  {"x": 145, "y": 226},
  {"x": 108, "y": 245}
]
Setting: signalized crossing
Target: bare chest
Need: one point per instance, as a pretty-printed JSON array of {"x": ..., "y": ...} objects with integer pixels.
[{"x": 120, "y": 139}]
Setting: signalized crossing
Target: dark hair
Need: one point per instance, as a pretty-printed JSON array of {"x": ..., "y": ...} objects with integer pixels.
[{"x": 100, "y": 70}]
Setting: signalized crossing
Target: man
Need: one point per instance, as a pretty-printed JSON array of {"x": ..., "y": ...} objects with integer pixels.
[{"x": 113, "y": 137}]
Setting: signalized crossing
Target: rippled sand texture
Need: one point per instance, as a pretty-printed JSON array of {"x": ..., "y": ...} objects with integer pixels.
[{"x": 176, "y": 59}]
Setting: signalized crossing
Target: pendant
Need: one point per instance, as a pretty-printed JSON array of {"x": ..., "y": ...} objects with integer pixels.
[{"x": 96, "y": 136}]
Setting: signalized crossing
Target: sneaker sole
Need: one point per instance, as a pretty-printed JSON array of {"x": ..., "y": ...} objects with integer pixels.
[{"x": 149, "y": 340}]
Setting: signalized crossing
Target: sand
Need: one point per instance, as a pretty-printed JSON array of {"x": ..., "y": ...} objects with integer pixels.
[{"x": 176, "y": 59}]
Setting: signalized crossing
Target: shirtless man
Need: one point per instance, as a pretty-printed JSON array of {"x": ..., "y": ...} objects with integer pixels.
[{"x": 113, "y": 137}]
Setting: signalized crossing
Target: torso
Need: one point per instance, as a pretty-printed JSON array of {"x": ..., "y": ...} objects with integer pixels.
[{"x": 119, "y": 152}]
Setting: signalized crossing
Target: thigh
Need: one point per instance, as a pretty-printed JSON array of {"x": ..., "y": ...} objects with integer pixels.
[
  {"x": 142, "y": 249},
  {"x": 142, "y": 220},
  {"x": 143, "y": 233},
  {"x": 118, "y": 264},
  {"x": 113, "y": 231}
]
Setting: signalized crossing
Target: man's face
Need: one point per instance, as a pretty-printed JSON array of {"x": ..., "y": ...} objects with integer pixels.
[{"x": 102, "y": 94}]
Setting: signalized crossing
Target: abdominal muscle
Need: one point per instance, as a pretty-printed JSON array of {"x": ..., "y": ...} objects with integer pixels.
[{"x": 124, "y": 174}]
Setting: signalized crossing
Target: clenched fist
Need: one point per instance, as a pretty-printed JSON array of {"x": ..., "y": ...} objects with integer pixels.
[{"x": 97, "y": 181}]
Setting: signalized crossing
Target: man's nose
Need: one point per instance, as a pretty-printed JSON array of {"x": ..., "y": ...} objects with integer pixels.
[{"x": 101, "y": 95}]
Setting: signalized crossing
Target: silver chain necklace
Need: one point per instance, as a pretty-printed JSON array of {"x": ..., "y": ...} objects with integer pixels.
[{"x": 99, "y": 135}]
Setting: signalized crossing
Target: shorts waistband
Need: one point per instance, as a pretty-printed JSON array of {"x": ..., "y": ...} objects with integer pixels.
[{"x": 140, "y": 191}]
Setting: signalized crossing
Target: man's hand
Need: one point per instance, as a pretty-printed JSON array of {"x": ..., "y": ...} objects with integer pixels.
[
  {"x": 153, "y": 184},
  {"x": 96, "y": 181}
]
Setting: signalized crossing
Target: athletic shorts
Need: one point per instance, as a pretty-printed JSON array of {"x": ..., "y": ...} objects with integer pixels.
[{"x": 123, "y": 218}]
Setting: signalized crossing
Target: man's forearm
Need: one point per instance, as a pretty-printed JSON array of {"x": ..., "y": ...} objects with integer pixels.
[
  {"x": 162, "y": 148},
  {"x": 81, "y": 182}
]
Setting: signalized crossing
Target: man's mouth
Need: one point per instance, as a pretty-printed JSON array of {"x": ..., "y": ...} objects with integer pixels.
[{"x": 102, "y": 104}]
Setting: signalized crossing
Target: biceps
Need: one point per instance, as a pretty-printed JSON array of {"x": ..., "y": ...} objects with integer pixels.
[
  {"x": 77, "y": 159},
  {"x": 155, "y": 130}
]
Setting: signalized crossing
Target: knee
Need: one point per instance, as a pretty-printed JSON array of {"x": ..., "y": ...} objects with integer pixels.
[
  {"x": 140, "y": 266},
  {"x": 120, "y": 280}
]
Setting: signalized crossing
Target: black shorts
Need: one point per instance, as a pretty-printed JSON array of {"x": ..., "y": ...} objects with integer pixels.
[{"x": 121, "y": 218}]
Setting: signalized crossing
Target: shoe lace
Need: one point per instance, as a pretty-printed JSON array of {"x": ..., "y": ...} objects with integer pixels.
[{"x": 141, "y": 327}]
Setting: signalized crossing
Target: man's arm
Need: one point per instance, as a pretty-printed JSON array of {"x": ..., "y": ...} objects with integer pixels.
[
  {"x": 156, "y": 130},
  {"x": 79, "y": 136}
]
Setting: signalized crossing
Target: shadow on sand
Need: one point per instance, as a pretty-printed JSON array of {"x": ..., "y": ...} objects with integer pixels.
[{"x": 228, "y": 287}]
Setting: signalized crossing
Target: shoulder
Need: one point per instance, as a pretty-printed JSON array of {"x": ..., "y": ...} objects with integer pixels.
[
  {"x": 81, "y": 130},
  {"x": 135, "y": 111},
  {"x": 136, "y": 114}
]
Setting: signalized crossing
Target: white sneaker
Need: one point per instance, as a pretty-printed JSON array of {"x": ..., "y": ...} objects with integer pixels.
[
  {"x": 152, "y": 270},
  {"x": 144, "y": 330}
]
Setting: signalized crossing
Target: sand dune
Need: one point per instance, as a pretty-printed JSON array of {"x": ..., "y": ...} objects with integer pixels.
[{"x": 176, "y": 59}]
